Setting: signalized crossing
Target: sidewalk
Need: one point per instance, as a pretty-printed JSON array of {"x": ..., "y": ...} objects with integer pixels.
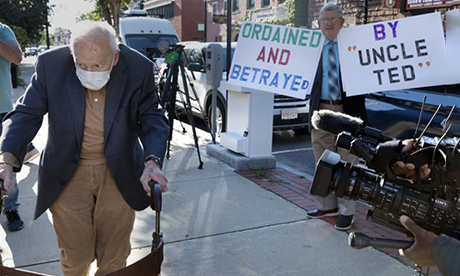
[
  {"x": 295, "y": 188},
  {"x": 217, "y": 222}
]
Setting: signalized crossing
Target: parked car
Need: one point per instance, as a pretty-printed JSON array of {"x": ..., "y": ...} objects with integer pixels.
[
  {"x": 42, "y": 48},
  {"x": 30, "y": 51},
  {"x": 396, "y": 112},
  {"x": 288, "y": 113}
]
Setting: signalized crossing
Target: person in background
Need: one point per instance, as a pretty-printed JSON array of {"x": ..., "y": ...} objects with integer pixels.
[
  {"x": 106, "y": 141},
  {"x": 10, "y": 52},
  {"x": 327, "y": 93}
]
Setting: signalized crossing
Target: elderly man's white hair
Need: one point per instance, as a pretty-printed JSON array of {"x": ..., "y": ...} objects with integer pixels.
[{"x": 93, "y": 30}]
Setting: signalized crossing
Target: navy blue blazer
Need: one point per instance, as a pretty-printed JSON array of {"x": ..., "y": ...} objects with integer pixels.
[
  {"x": 353, "y": 106},
  {"x": 132, "y": 116}
]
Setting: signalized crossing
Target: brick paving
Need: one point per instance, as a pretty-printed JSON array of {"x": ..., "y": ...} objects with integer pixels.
[{"x": 296, "y": 189}]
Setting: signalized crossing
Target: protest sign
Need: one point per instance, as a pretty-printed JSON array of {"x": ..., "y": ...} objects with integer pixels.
[
  {"x": 452, "y": 46},
  {"x": 396, "y": 54},
  {"x": 276, "y": 59}
]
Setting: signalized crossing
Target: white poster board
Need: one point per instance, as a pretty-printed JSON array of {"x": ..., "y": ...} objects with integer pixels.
[
  {"x": 396, "y": 54},
  {"x": 452, "y": 46},
  {"x": 276, "y": 58}
]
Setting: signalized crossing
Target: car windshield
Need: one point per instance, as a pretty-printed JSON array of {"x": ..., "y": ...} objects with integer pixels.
[{"x": 151, "y": 45}]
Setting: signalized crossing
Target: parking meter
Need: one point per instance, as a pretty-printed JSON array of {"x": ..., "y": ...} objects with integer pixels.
[
  {"x": 214, "y": 64},
  {"x": 214, "y": 70}
]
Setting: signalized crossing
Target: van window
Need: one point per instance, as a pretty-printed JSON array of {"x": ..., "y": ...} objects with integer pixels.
[
  {"x": 151, "y": 45},
  {"x": 195, "y": 56}
]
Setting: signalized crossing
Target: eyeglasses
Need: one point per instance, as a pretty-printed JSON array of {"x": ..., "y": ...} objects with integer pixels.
[{"x": 329, "y": 20}]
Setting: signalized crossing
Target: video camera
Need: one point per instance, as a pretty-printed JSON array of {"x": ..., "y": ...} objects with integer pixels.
[{"x": 432, "y": 203}]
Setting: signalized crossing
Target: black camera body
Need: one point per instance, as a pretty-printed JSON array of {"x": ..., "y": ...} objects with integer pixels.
[{"x": 433, "y": 204}]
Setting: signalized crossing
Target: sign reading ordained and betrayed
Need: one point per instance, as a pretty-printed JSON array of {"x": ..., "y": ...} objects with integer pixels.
[
  {"x": 276, "y": 59},
  {"x": 396, "y": 54}
]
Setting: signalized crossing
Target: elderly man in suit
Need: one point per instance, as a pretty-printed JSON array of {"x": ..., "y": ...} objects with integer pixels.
[
  {"x": 327, "y": 93},
  {"x": 100, "y": 100}
]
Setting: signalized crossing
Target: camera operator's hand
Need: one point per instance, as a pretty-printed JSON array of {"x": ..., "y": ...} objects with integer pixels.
[
  {"x": 420, "y": 252},
  {"x": 444, "y": 125},
  {"x": 153, "y": 172},
  {"x": 408, "y": 169}
]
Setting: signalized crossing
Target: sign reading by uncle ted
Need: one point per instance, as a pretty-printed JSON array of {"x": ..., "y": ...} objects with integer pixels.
[{"x": 396, "y": 54}]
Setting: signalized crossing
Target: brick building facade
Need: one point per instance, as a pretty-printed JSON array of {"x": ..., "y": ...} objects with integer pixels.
[
  {"x": 251, "y": 10},
  {"x": 187, "y": 16},
  {"x": 354, "y": 12}
]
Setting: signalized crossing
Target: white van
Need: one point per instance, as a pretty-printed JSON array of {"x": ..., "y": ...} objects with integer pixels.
[{"x": 150, "y": 36}]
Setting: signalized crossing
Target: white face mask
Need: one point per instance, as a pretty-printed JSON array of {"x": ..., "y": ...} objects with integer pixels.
[{"x": 94, "y": 80}]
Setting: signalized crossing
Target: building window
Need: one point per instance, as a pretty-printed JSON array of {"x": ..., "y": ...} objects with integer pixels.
[
  {"x": 251, "y": 4},
  {"x": 265, "y": 3},
  {"x": 225, "y": 7},
  {"x": 215, "y": 8},
  {"x": 236, "y": 5},
  {"x": 166, "y": 11}
]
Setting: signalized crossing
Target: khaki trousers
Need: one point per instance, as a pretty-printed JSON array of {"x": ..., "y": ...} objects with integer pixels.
[
  {"x": 320, "y": 141},
  {"x": 92, "y": 221}
]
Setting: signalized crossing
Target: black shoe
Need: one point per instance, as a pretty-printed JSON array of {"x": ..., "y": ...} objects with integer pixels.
[
  {"x": 344, "y": 222},
  {"x": 14, "y": 220},
  {"x": 321, "y": 214}
]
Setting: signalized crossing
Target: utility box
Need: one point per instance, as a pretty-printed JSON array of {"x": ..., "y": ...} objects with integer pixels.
[{"x": 249, "y": 121}]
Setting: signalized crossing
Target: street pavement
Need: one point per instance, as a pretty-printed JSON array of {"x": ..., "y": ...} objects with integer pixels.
[{"x": 215, "y": 221}]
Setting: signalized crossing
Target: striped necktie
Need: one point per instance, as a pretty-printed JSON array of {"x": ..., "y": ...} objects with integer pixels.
[{"x": 333, "y": 76}]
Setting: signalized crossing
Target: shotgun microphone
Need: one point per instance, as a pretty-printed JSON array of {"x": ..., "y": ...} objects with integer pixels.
[{"x": 336, "y": 122}]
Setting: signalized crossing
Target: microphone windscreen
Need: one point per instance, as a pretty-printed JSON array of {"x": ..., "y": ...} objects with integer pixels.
[{"x": 336, "y": 122}]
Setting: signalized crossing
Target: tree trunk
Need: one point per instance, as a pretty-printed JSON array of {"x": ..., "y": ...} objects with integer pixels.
[
  {"x": 115, "y": 7},
  {"x": 106, "y": 11},
  {"x": 301, "y": 13}
]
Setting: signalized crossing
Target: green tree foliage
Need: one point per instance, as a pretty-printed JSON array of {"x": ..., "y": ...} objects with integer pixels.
[
  {"x": 94, "y": 15},
  {"x": 27, "y": 18},
  {"x": 300, "y": 14},
  {"x": 22, "y": 37},
  {"x": 43, "y": 39},
  {"x": 289, "y": 21},
  {"x": 108, "y": 10}
]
